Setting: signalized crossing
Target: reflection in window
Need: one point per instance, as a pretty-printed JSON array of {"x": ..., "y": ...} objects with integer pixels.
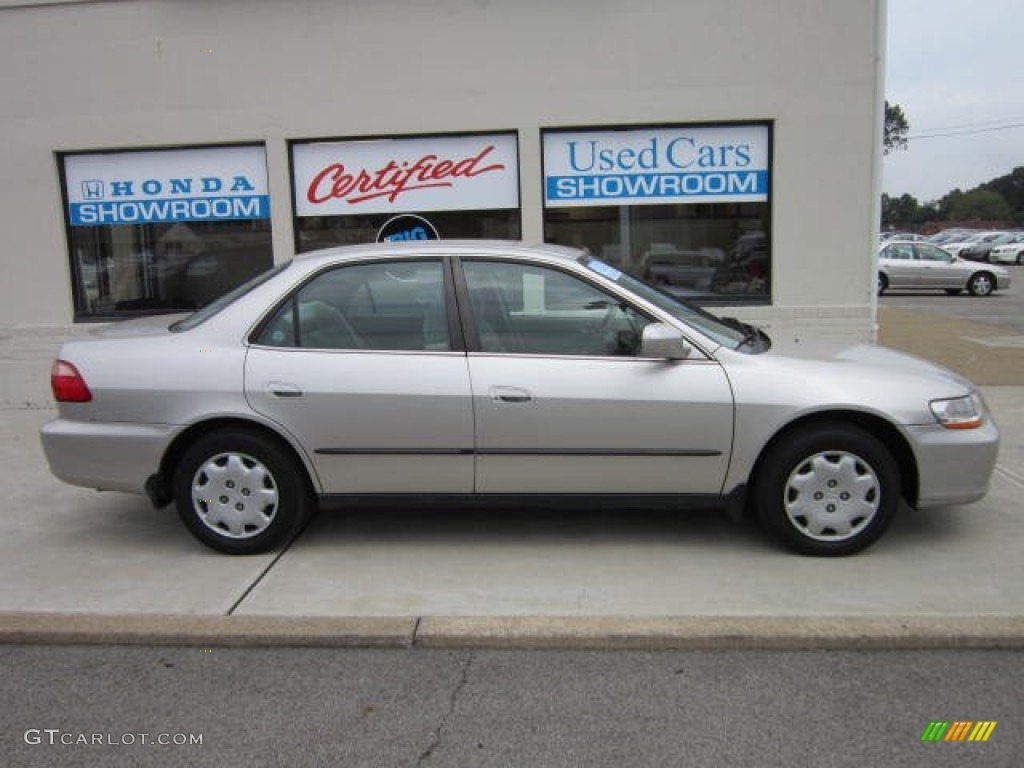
[
  {"x": 529, "y": 309},
  {"x": 385, "y": 306}
]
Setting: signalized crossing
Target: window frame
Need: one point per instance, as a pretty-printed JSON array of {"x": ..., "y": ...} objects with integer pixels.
[
  {"x": 472, "y": 331},
  {"x": 457, "y": 343},
  {"x": 74, "y": 273},
  {"x": 711, "y": 300}
]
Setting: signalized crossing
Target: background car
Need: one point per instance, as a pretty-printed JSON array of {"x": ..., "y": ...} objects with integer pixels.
[
  {"x": 494, "y": 374},
  {"x": 923, "y": 266},
  {"x": 1008, "y": 253},
  {"x": 979, "y": 250}
]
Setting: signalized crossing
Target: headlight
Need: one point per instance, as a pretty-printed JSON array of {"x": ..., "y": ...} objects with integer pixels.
[{"x": 960, "y": 412}]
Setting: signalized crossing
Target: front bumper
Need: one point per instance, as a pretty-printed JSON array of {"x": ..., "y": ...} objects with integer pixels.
[
  {"x": 954, "y": 465},
  {"x": 105, "y": 456}
]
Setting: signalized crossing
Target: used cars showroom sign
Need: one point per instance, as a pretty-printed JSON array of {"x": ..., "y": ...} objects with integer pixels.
[
  {"x": 706, "y": 164},
  {"x": 209, "y": 184},
  {"x": 430, "y": 173}
]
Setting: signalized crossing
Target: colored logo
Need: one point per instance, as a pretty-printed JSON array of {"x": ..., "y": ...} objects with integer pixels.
[
  {"x": 407, "y": 226},
  {"x": 958, "y": 730},
  {"x": 93, "y": 189}
]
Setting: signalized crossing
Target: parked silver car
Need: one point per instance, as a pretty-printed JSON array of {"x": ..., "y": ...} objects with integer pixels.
[
  {"x": 494, "y": 373},
  {"x": 906, "y": 265}
]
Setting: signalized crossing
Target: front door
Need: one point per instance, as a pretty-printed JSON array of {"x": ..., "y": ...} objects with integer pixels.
[{"x": 564, "y": 403}]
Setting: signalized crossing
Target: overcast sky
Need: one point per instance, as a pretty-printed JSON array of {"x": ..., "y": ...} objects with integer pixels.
[{"x": 955, "y": 66}]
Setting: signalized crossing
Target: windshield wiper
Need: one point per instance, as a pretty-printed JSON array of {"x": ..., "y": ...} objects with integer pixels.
[{"x": 751, "y": 333}]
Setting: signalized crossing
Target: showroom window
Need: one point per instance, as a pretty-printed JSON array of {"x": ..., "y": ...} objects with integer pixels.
[
  {"x": 409, "y": 188},
  {"x": 163, "y": 230},
  {"x": 684, "y": 207}
]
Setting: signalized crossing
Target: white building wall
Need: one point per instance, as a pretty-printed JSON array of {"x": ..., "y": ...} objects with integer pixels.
[{"x": 142, "y": 73}]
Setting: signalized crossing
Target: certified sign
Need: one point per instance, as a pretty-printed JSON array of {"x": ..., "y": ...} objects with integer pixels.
[
  {"x": 442, "y": 173},
  {"x": 213, "y": 184},
  {"x": 656, "y": 166}
]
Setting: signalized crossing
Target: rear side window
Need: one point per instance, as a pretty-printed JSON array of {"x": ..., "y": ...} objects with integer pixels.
[{"x": 396, "y": 306}]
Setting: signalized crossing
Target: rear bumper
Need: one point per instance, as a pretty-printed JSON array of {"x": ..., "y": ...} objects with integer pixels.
[
  {"x": 954, "y": 466},
  {"x": 106, "y": 456}
]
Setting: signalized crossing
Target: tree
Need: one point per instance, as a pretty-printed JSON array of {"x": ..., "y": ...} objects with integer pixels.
[
  {"x": 981, "y": 204},
  {"x": 894, "y": 135}
]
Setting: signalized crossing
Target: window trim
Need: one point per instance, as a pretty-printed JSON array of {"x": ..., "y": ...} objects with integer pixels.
[{"x": 456, "y": 342}]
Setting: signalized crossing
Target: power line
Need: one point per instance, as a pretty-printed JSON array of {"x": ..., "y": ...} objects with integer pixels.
[{"x": 948, "y": 133}]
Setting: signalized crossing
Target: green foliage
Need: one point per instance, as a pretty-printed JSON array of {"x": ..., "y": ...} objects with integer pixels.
[
  {"x": 982, "y": 205},
  {"x": 998, "y": 200},
  {"x": 894, "y": 135}
]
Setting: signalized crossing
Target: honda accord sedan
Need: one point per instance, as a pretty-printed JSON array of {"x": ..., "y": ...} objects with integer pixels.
[{"x": 491, "y": 373}]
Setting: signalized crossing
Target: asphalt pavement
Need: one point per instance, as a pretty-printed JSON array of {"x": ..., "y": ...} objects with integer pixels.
[
  {"x": 75, "y": 706},
  {"x": 83, "y": 566}
]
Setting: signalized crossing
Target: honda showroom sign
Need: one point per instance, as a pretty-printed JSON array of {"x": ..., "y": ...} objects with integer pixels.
[
  {"x": 433, "y": 173},
  {"x": 703, "y": 164},
  {"x": 211, "y": 184}
]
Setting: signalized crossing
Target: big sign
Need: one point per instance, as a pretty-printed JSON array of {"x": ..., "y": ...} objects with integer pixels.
[
  {"x": 438, "y": 173},
  {"x": 704, "y": 164}
]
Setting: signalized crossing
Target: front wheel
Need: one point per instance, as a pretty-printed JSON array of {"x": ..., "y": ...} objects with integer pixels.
[
  {"x": 981, "y": 284},
  {"x": 827, "y": 490},
  {"x": 240, "y": 493}
]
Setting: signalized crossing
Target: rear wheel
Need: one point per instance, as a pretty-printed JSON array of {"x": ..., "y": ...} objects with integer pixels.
[
  {"x": 831, "y": 489},
  {"x": 240, "y": 493},
  {"x": 981, "y": 284},
  {"x": 882, "y": 284}
]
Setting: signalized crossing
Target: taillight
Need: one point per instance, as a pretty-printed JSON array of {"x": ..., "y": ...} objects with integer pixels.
[{"x": 68, "y": 384}]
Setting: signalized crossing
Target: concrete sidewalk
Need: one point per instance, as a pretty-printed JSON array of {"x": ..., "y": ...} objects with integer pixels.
[{"x": 80, "y": 566}]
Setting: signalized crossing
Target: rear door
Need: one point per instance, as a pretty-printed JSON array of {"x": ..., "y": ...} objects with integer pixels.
[{"x": 364, "y": 365}]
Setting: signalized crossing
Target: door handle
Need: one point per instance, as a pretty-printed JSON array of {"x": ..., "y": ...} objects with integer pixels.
[
  {"x": 283, "y": 389},
  {"x": 510, "y": 395}
]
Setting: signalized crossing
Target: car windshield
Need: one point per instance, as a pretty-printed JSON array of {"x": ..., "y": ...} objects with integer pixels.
[
  {"x": 205, "y": 313},
  {"x": 728, "y": 333}
]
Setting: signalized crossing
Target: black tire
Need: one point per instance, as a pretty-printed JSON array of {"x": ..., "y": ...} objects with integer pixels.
[
  {"x": 954, "y": 291},
  {"x": 882, "y": 284},
  {"x": 1020, "y": 259},
  {"x": 981, "y": 284},
  {"x": 259, "y": 497},
  {"x": 818, "y": 481}
]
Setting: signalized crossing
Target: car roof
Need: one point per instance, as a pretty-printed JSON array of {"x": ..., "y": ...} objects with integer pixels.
[{"x": 439, "y": 247}]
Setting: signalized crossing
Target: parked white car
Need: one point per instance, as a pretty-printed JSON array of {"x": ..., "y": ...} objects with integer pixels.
[{"x": 1008, "y": 253}]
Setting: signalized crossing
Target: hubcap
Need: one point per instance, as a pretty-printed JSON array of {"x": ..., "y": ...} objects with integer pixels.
[
  {"x": 832, "y": 496},
  {"x": 234, "y": 495},
  {"x": 982, "y": 285}
]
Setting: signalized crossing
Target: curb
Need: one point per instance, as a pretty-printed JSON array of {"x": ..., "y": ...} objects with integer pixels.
[{"x": 522, "y": 633}]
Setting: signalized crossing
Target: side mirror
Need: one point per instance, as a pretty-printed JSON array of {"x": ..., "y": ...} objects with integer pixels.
[{"x": 662, "y": 341}]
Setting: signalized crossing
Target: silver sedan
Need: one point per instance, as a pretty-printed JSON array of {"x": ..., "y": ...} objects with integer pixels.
[
  {"x": 906, "y": 265},
  {"x": 494, "y": 374}
]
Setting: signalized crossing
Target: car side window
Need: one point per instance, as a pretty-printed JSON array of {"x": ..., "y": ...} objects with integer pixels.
[
  {"x": 931, "y": 253},
  {"x": 529, "y": 309},
  {"x": 398, "y": 305},
  {"x": 899, "y": 252}
]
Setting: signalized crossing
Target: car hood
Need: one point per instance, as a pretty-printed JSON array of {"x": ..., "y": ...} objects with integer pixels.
[{"x": 864, "y": 360}]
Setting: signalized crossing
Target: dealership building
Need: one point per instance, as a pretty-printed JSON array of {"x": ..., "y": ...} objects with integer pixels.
[{"x": 156, "y": 153}]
